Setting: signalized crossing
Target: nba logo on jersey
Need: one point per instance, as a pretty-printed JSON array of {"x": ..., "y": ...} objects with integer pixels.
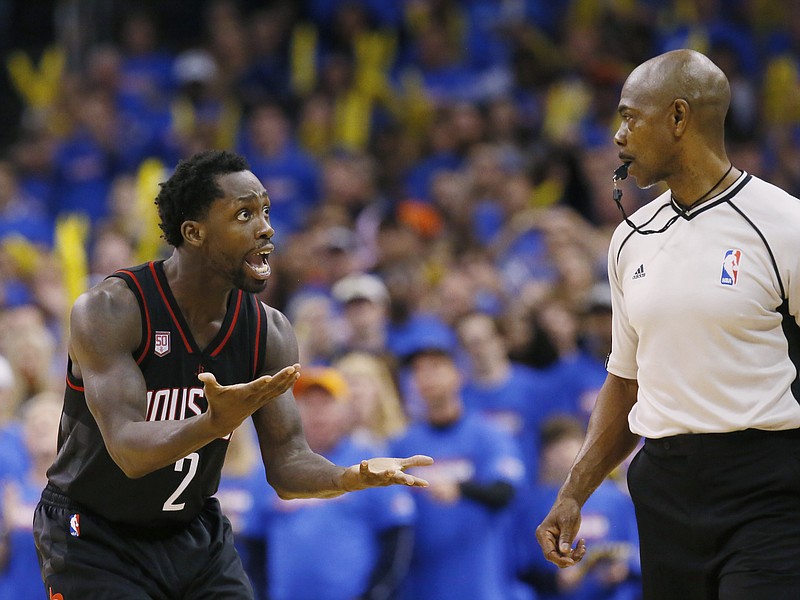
[
  {"x": 730, "y": 267},
  {"x": 75, "y": 525},
  {"x": 162, "y": 343}
]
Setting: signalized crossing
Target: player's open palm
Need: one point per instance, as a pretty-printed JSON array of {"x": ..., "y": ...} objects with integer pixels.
[
  {"x": 229, "y": 405},
  {"x": 380, "y": 472}
]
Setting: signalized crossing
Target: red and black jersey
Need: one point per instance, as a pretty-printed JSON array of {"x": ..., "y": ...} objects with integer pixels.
[{"x": 170, "y": 361}]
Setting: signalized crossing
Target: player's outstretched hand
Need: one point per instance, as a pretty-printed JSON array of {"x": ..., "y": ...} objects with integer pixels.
[
  {"x": 229, "y": 405},
  {"x": 556, "y": 533},
  {"x": 380, "y": 472}
]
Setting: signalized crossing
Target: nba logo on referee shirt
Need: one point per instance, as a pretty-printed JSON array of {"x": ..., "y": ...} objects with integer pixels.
[
  {"x": 162, "y": 346},
  {"x": 730, "y": 267},
  {"x": 75, "y": 525}
]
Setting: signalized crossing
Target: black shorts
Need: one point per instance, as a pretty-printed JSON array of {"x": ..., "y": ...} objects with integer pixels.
[
  {"x": 719, "y": 515},
  {"x": 83, "y": 556}
]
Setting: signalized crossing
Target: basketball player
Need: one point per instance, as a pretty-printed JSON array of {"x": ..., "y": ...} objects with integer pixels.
[{"x": 166, "y": 359}]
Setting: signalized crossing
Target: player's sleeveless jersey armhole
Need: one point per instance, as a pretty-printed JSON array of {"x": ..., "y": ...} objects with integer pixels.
[
  {"x": 259, "y": 351},
  {"x": 72, "y": 381},
  {"x": 132, "y": 281}
]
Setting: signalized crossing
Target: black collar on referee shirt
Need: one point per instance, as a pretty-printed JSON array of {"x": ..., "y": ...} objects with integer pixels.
[{"x": 691, "y": 213}]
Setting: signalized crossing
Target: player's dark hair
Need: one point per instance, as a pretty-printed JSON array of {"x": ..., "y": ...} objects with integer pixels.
[{"x": 189, "y": 192}]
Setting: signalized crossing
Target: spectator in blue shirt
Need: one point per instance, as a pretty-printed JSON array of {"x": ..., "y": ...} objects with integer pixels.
[
  {"x": 20, "y": 577},
  {"x": 291, "y": 176},
  {"x": 13, "y": 457},
  {"x": 610, "y": 570},
  {"x": 355, "y": 546},
  {"x": 439, "y": 154},
  {"x": 578, "y": 373},
  {"x": 20, "y": 213},
  {"x": 461, "y": 548},
  {"x": 146, "y": 81},
  {"x": 241, "y": 496},
  {"x": 515, "y": 397},
  {"x": 87, "y": 161}
]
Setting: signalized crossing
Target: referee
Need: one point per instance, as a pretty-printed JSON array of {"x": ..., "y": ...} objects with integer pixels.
[{"x": 706, "y": 304}]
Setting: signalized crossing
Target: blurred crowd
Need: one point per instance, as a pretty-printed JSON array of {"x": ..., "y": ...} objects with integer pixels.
[{"x": 440, "y": 179}]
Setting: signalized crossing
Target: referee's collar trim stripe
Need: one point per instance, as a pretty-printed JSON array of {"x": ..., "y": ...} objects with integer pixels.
[{"x": 732, "y": 191}]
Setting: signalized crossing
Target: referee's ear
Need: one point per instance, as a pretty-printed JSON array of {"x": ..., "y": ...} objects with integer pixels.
[{"x": 680, "y": 116}]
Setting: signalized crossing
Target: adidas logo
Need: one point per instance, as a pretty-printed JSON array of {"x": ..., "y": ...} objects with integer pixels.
[{"x": 639, "y": 272}]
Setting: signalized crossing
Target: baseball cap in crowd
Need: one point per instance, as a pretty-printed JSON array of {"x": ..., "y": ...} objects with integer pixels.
[
  {"x": 327, "y": 378},
  {"x": 340, "y": 238},
  {"x": 194, "y": 66},
  {"x": 599, "y": 299},
  {"x": 430, "y": 335},
  {"x": 422, "y": 217},
  {"x": 6, "y": 374},
  {"x": 360, "y": 286}
]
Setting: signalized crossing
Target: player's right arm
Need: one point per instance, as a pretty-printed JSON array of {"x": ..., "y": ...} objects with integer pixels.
[
  {"x": 105, "y": 330},
  {"x": 608, "y": 441}
]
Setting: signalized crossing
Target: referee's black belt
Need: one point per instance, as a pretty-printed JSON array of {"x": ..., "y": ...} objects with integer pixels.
[{"x": 686, "y": 444}]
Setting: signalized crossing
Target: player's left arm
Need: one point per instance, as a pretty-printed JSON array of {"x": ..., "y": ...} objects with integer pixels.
[{"x": 293, "y": 469}]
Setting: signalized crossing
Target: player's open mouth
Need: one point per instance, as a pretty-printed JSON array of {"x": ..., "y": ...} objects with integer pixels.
[{"x": 259, "y": 262}]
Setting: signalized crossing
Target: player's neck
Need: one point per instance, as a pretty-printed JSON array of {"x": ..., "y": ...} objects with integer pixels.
[{"x": 201, "y": 299}]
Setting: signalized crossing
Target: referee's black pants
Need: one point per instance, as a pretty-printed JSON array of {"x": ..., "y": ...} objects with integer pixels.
[{"x": 719, "y": 515}]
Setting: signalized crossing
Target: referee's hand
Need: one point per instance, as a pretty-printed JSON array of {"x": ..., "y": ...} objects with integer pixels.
[{"x": 557, "y": 531}]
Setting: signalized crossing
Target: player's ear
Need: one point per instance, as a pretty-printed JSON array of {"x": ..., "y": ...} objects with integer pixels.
[{"x": 193, "y": 232}]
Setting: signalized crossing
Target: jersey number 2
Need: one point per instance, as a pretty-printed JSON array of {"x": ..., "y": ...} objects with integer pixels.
[{"x": 193, "y": 460}]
